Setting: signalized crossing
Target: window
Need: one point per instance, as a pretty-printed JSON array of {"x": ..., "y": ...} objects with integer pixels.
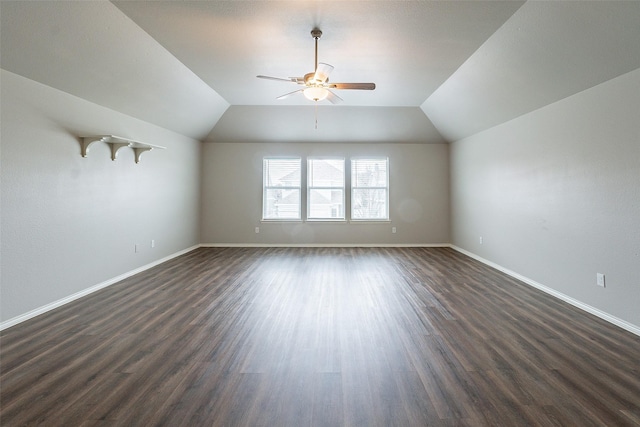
[
  {"x": 326, "y": 194},
  {"x": 281, "y": 183},
  {"x": 325, "y": 189},
  {"x": 370, "y": 189}
]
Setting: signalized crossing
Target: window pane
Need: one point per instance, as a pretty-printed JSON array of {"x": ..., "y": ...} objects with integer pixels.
[
  {"x": 369, "y": 172},
  {"x": 282, "y": 172},
  {"x": 326, "y": 203},
  {"x": 326, "y": 173},
  {"x": 369, "y": 203},
  {"x": 281, "y": 188},
  {"x": 281, "y": 203}
]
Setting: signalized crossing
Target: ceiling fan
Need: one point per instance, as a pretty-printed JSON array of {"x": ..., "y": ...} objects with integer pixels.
[{"x": 316, "y": 84}]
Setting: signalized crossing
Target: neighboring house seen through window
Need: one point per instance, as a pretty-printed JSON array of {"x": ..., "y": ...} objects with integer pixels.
[{"x": 281, "y": 186}]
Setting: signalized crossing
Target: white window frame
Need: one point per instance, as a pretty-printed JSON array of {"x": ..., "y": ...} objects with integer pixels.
[
  {"x": 310, "y": 188},
  {"x": 352, "y": 170},
  {"x": 266, "y": 187}
]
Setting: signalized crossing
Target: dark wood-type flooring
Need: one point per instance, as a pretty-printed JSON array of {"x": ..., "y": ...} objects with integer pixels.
[{"x": 319, "y": 337}]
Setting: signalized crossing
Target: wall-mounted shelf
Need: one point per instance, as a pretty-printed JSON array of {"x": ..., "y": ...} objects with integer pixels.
[{"x": 116, "y": 143}]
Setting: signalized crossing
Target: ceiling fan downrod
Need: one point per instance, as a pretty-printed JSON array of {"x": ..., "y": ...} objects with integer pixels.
[{"x": 316, "y": 34}]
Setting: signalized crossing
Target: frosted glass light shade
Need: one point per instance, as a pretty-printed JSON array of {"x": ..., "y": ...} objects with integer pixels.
[{"x": 315, "y": 93}]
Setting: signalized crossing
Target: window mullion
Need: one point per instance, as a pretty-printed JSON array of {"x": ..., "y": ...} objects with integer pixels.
[{"x": 304, "y": 203}]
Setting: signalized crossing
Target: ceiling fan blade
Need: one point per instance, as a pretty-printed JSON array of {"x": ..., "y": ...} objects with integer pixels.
[
  {"x": 333, "y": 98},
  {"x": 280, "y": 79},
  {"x": 359, "y": 86},
  {"x": 322, "y": 72},
  {"x": 286, "y": 95}
]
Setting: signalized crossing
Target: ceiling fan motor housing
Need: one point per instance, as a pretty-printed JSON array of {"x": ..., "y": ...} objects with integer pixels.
[{"x": 310, "y": 81}]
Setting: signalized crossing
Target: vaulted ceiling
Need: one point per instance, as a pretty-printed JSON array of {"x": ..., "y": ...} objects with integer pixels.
[{"x": 444, "y": 70}]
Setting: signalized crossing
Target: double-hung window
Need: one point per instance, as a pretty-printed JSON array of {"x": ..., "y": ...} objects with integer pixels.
[
  {"x": 325, "y": 189},
  {"x": 370, "y": 189},
  {"x": 281, "y": 186}
]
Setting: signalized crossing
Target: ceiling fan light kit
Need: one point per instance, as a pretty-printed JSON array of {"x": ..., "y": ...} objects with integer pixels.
[
  {"x": 317, "y": 82},
  {"x": 315, "y": 93}
]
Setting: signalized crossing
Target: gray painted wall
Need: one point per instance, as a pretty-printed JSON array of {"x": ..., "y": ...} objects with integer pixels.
[
  {"x": 555, "y": 194},
  {"x": 69, "y": 223},
  {"x": 419, "y": 195}
]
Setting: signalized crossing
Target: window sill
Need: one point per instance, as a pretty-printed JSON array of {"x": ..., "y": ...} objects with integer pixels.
[{"x": 326, "y": 221}]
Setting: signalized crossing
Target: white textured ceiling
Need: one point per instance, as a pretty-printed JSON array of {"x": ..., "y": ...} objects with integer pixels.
[
  {"x": 407, "y": 48},
  {"x": 443, "y": 69},
  {"x": 256, "y": 123}
]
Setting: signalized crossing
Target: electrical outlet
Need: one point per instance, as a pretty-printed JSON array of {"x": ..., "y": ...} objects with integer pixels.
[
  {"x": 393, "y": 230},
  {"x": 600, "y": 279},
  {"x": 135, "y": 248},
  {"x": 257, "y": 230},
  {"x": 480, "y": 239},
  {"x": 153, "y": 243}
]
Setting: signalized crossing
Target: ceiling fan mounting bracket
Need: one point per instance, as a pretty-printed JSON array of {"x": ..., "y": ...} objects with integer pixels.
[{"x": 316, "y": 33}]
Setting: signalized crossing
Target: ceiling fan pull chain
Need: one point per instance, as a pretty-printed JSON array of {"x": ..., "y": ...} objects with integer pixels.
[{"x": 316, "y": 114}]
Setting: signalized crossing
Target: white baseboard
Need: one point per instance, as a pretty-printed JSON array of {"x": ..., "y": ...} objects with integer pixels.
[
  {"x": 325, "y": 245},
  {"x": 589, "y": 309},
  {"x": 40, "y": 310}
]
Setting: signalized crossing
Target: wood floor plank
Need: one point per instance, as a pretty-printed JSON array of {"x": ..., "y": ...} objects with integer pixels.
[
  {"x": 328, "y": 398},
  {"x": 319, "y": 337}
]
